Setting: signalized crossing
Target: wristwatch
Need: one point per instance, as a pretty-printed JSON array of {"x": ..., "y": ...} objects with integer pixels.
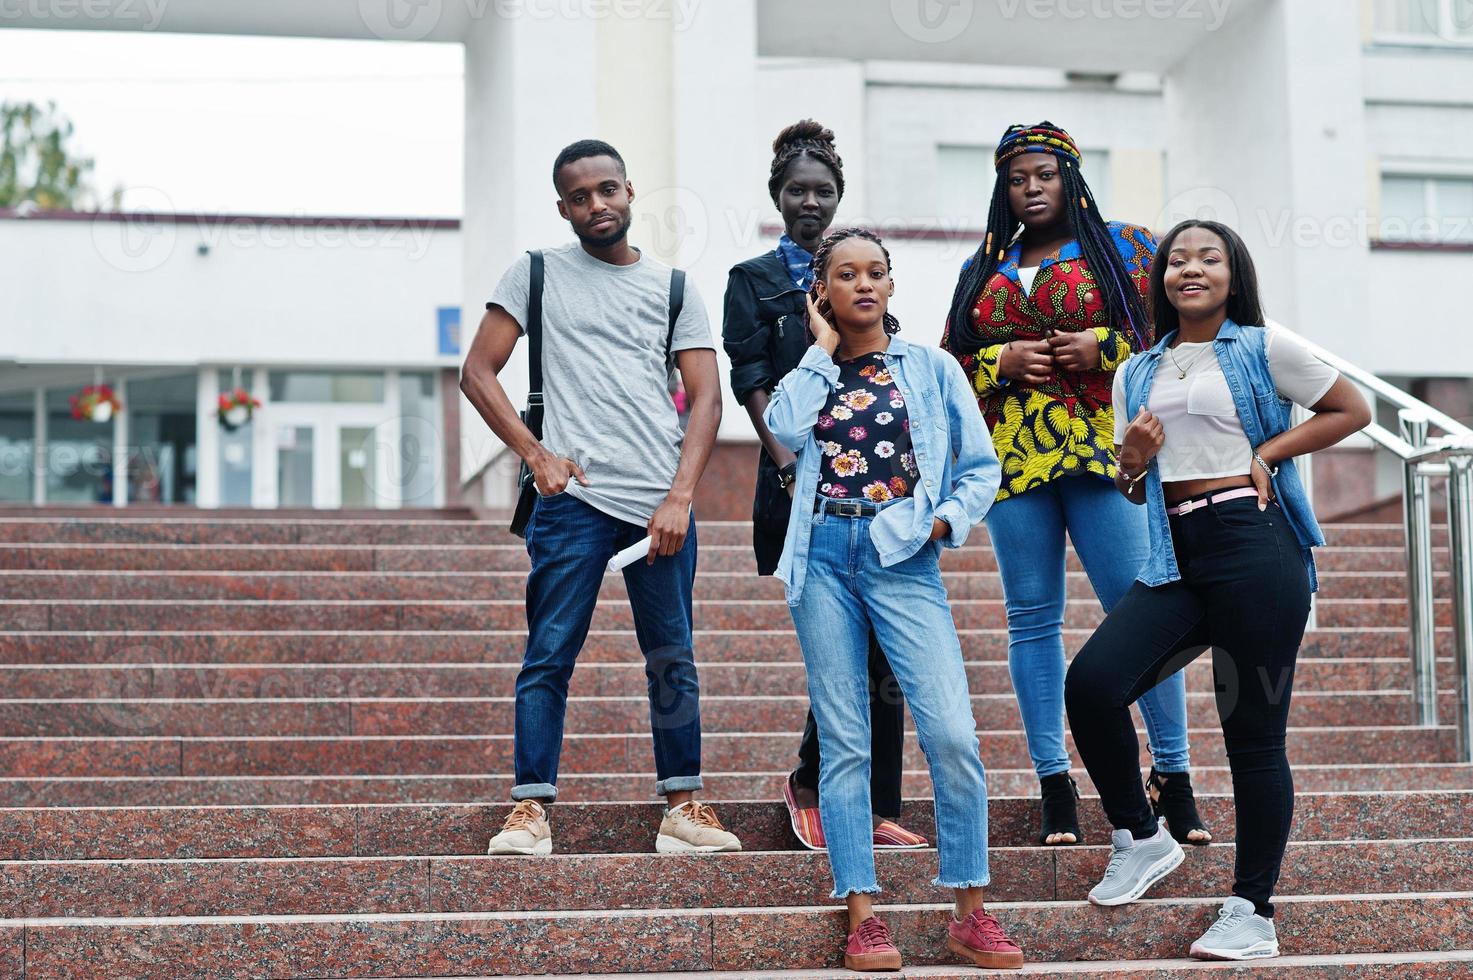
[{"x": 788, "y": 475}]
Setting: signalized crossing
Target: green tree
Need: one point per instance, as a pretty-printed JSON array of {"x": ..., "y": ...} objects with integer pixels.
[{"x": 36, "y": 163}]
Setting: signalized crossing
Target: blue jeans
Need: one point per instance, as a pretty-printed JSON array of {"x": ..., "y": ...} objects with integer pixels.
[
  {"x": 847, "y": 595},
  {"x": 570, "y": 544},
  {"x": 1109, "y": 535}
]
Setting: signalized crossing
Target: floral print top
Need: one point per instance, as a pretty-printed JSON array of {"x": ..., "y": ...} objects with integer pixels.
[{"x": 864, "y": 434}]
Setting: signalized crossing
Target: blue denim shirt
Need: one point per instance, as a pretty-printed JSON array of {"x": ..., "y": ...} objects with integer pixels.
[
  {"x": 1263, "y": 415},
  {"x": 953, "y": 451}
]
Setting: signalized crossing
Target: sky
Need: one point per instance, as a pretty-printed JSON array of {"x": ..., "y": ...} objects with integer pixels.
[{"x": 253, "y": 125}]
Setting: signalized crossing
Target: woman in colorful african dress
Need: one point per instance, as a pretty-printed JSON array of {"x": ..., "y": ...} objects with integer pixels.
[{"x": 1044, "y": 312}]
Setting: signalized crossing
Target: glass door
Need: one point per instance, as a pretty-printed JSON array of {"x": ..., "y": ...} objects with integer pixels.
[{"x": 330, "y": 456}]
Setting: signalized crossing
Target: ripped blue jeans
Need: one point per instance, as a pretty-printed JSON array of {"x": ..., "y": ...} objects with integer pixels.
[{"x": 846, "y": 595}]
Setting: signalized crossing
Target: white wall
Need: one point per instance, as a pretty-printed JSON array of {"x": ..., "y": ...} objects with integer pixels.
[
  {"x": 910, "y": 112},
  {"x": 112, "y": 292}
]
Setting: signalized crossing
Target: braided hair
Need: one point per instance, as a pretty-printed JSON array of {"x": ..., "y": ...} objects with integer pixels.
[
  {"x": 1122, "y": 301},
  {"x": 804, "y": 138},
  {"x": 821, "y": 259}
]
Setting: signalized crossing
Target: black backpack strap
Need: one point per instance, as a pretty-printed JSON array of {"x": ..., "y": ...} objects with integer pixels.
[
  {"x": 533, "y": 415},
  {"x": 677, "y": 301}
]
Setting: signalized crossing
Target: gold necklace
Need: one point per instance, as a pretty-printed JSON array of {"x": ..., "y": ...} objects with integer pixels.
[{"x": 1181, "y": 372}]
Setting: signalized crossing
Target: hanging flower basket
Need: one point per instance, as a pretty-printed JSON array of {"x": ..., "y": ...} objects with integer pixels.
[
  {"x": 95, "y": 403},
  {"x": 236, "y": 409}
]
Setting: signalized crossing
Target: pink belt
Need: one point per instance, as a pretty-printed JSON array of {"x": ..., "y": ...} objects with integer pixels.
[{"x": 1197, "y": 503}]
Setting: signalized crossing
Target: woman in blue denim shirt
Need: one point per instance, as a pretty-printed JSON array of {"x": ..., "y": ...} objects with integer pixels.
[
  {"x": 1207, "y": 446},
  {"x": 893, "y": 464}
]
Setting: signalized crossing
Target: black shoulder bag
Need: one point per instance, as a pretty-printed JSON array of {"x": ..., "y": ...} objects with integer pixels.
[{"x": 532, "y": 416}]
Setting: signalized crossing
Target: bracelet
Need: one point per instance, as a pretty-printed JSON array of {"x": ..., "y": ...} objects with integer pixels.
[
  {"x": 1272, "y": 471},
  {"x": 788, "y": 475},
  {"x": 1132, "y": 481}
]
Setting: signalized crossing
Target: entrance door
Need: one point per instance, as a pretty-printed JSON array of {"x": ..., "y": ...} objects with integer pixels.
[{"x": 329, "y": 456}]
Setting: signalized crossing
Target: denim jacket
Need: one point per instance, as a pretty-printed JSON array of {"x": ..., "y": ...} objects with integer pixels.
[
  {"x": 1263, "y": 415},
  {"x": 953, "y": 451}
]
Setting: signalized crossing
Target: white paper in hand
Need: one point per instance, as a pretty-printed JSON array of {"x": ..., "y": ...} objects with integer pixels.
[{"x": 630, "y": 555}]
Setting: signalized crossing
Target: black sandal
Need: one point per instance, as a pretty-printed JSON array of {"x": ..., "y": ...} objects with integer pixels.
[
  {"x": 1171, "y": 798},
  {"x": 1060, "y": 815}
]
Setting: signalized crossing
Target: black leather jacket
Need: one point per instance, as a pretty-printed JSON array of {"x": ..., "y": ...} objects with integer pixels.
[{"x": 765, "y": 332}]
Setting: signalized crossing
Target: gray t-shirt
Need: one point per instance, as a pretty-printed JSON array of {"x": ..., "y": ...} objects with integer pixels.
[{"x": 606, "y": 395}]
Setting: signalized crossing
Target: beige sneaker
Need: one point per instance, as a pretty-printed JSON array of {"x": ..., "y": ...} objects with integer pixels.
[
  {"x": 692, "y": 827},
  {"x": 526, "y": 831}
]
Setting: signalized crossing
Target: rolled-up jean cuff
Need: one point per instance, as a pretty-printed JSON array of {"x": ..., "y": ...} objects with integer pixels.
[
  {"x": 974, "y": 883},
  {"x": 869, "y": 890},
  {"x": 534, "y": 791},
  {"x": 676, "y": 784}
]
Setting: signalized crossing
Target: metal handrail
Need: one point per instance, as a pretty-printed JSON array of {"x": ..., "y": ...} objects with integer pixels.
[{"x": 1424, "y": 457}]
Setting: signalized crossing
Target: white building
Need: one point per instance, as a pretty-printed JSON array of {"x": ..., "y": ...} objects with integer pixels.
[{"x": 1336, "y": 136}]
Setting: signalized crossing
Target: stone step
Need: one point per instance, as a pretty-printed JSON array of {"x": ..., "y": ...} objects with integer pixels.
[
  {"x": 333, "y": 830},
  {"x": 585, "y": 716},
  {"x": 740, "y": 940},
  {"x": 506, "y": 646},
  {"x": 475, "y": 787},
  {"x": 1363, "y": 966},
  {"x": 125, "y": 530},
  {"x": 597, "y": 882},
  {"x": 510, "y": 614},
  {"x": 721, "y": 752},
  {"x": 359, "y": 586},
  {"x": 437, "y": 680},
  {"x": 503, "y": 558}
]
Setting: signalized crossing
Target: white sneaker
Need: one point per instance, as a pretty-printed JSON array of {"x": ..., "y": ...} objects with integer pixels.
[
  {"x": 526, "y": 831},
  {"x": 692, "y": 827},
  {"x": 1136, "y": 865},
  {"x": 1239, "y": 933}
]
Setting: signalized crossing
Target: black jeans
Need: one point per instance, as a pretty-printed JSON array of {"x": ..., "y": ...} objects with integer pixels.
[
  {"x": 1244, "y": 592},
  {"x": 887, "y": 738}
]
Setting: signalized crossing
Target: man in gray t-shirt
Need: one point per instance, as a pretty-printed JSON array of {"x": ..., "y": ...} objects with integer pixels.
[
  {"x": 607, "y": 403},
  {"x": 612, "y": 467}
]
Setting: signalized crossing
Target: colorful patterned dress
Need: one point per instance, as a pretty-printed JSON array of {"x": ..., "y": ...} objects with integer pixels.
[{"x": 1064, "y": 427}]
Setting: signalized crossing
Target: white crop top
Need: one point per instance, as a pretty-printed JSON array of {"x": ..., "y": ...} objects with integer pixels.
[
  {"x": 1204, "y": 439},
  {"x": 1026, "y": 275}
]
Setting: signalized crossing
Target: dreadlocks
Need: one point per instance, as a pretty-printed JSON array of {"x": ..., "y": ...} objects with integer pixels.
[
  {"x": 804, "y": 138},
  {"x": 1122, "y": 302},
  {"x": 825, "y": 252}
]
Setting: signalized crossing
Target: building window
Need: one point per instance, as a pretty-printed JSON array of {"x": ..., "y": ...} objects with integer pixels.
[
  {"x": 326, "y": 386},
  {"x": 1426, "y": 209},
  {"x": 161, "y": 434},
  {"x": 965, "y": 179},
  {"x": 1449, "y": 21},
  {"x": 17, "y": 446}
]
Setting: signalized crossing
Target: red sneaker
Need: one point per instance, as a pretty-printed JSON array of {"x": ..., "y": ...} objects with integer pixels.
[
  {"x": 980, "y": 939},
  {"x": 807, "y": 825},
  {"x": 870, "y": 948}
]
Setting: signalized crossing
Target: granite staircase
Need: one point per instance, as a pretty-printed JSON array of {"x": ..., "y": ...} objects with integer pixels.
[{"x": 276, "y": 747}]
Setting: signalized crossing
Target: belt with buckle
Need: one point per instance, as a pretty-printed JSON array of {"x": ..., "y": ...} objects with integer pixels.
[
  {"x": 1197, "y": 503},
  {"x": 845, "y": 508}
]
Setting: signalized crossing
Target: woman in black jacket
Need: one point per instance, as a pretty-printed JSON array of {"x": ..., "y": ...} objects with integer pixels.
[{"x": 765, "y": 332}]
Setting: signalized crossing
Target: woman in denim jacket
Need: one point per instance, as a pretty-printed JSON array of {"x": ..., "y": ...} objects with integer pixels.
[
  {"x": 893, "y": 464},
  {"x": 1207, "y": 445}
]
